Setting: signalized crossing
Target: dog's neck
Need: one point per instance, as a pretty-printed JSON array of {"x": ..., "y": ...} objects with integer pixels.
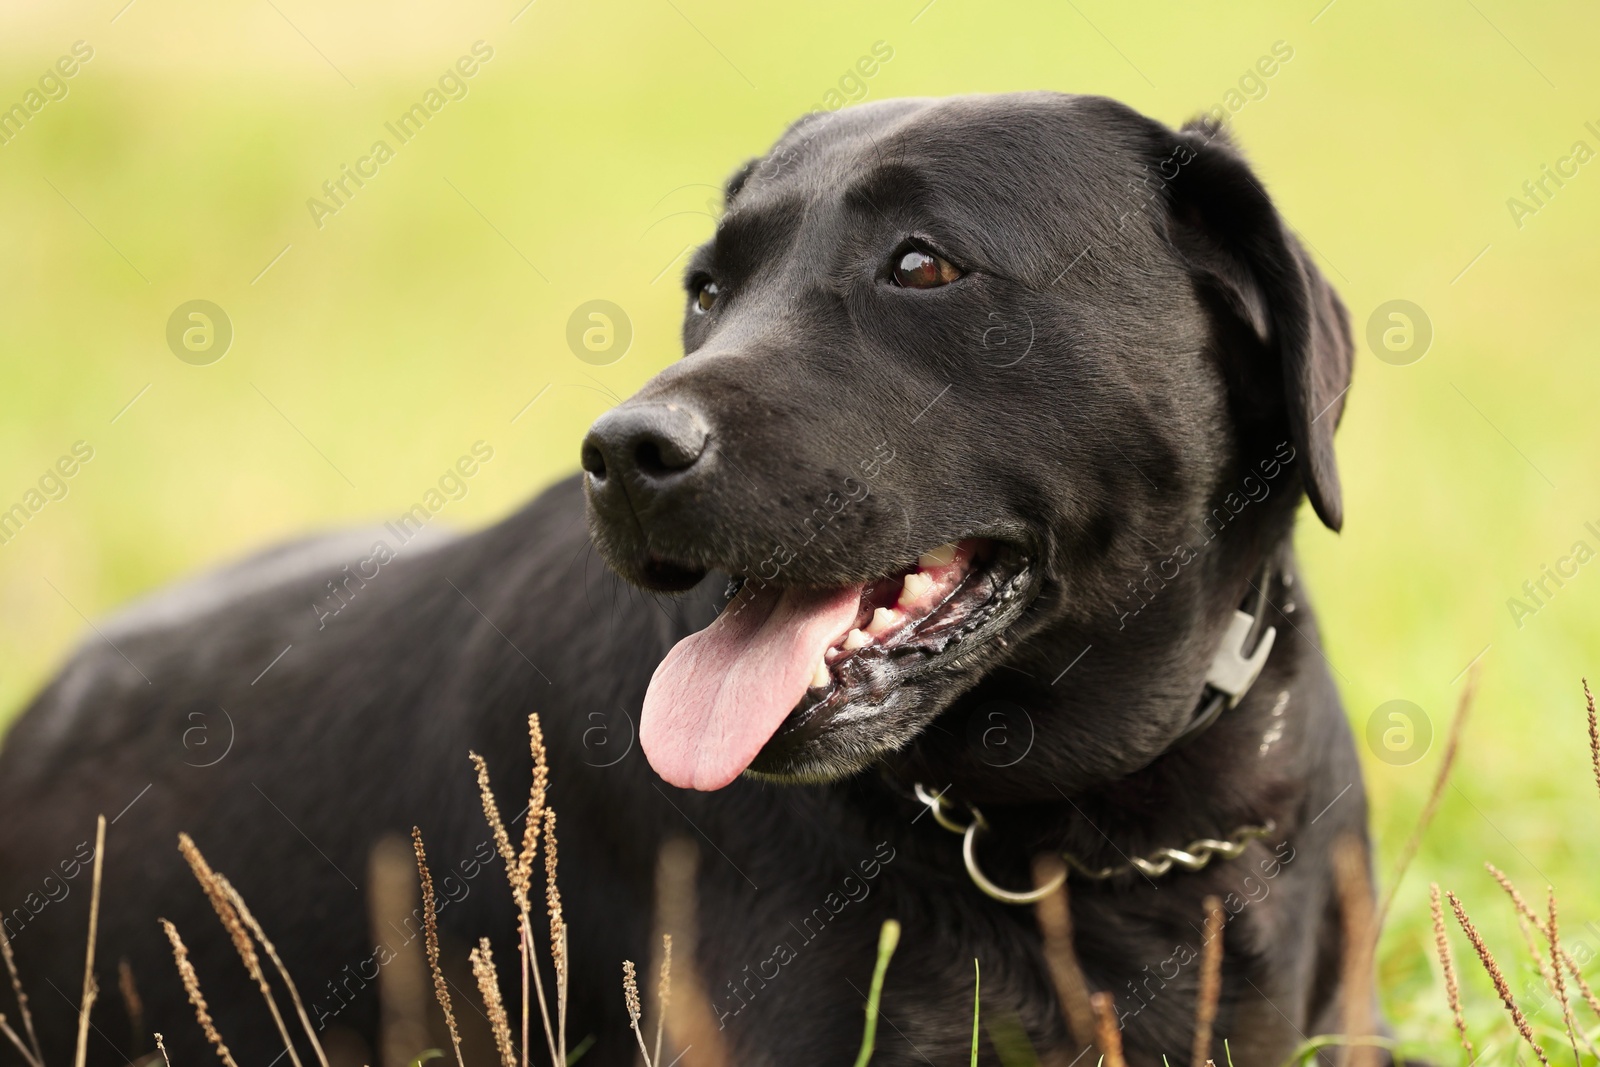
[{"x": 1240, "y": 656}]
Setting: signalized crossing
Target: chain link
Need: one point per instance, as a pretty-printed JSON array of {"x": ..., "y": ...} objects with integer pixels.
[{"x": 1193, "y": 857}]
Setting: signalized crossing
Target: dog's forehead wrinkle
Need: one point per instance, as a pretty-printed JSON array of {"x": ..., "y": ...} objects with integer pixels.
[
  {"x": 1024, "y": 185},
  {"x": 755, "y": 234},
  {"x": 886, "y": 187}
]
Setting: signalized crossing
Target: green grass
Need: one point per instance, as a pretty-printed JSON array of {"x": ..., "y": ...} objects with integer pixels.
[
  {"x": 409, "y": 327},
  {"x": 888, "y": 939}
]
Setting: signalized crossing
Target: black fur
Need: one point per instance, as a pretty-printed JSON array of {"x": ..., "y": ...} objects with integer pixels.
[{"x": 1133, "y": 383}]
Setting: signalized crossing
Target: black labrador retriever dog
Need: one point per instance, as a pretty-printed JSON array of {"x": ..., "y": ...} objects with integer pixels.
[{"x": 976, "y": 486}]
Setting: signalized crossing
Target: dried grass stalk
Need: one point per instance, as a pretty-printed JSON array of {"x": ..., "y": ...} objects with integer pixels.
[
  {"x": 530, "y": 965},
  {"x": 1055, "y": 923},
  {"x": 1500, "y": 985},
  {"x": 525, "y": 957},
  {"x": 132, "y": 1003},
  {"x": 497, "y": 827},
  {"x": 630, "y": 999},
  {"x": 532, "y": 823},
  {"x": 1527, "y": 922},
  {"x": 1107, "y": 1035},
  {"x": 489, "y": 987},
  {"x": 537, "y": 793},
  {"x": 229, "y": 916},
  {"x": 558, "y": 932},
  {"x": 430, "y": 924},
  {"x": 533, "y": 818},
  {"x": 1583, "y": 986},
  {"x": 91, "y": 990},
  {"x": 222, "y": 906},
  {"x": 1352, "y": 879},
  {"x": 260, "y": 935},
  {"x": 691, "y": 1024},
  {"x": 11, "y": 1035},
  {"x": 1408, "y": 851},
  {"x": 191, "y": 983},
  {"x": 1594, "y": 733},
  {"x": 37, "y": 1054},
  {"x": 519, "y": 876},
  {"x": 1528, "y": 916},
  {"x": 162, "y": 1048},
  {"x": 403, "y": 981},
  {"x": 1517, "y": 900},
  {"x": 663, "y": 992},
  {"x": 1560, "y": 986},
  {"x": 1205, "y": 1009},
  {"x": 1359, "y": 939},
  {"x": 1452, "y": 989}
]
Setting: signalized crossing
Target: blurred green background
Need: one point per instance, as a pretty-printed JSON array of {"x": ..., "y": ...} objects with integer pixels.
[{"x": 582, "y": 161}]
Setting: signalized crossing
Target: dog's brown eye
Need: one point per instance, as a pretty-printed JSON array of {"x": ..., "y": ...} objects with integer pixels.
[
  {"x": 706, "y": 296},
  {"x": 916, "y": 269}
]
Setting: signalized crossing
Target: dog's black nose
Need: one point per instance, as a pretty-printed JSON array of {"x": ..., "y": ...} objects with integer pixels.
[{"x": 651, "y": 445}]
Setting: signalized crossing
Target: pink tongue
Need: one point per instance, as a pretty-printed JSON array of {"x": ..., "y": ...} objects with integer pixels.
[{"x": 723, "y": 692}]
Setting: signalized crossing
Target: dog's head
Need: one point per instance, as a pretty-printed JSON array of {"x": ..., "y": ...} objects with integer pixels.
[{"x": 958, "y": 373}]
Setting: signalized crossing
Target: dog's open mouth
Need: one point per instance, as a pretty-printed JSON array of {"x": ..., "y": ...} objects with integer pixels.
[
  {"x": 907, "y": 618},
  {"x": 783, "y": 660}
]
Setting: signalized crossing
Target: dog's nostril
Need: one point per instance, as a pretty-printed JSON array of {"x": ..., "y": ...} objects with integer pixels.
[
  {"x": 656, "y": 442},
  {"x": 593, "y": 461},
  {"x": 663, "y": 457},
  {"x": 647, "y": 457},
  {"x": 662, "y": 442}
]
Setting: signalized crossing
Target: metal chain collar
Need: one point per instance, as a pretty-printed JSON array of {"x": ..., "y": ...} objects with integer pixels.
[{"x": 1193, "y": 857}]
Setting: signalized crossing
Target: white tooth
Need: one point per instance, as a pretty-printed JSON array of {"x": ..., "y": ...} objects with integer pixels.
[
  {"x": 856, "y": 639},
  {"x": 820, "y": 678},
  {"x": 942, "y": 556},
  {"x": 883, "y": 619},
  {"x": 916, "y": 585},
  {"x": 831, "y": 655}
]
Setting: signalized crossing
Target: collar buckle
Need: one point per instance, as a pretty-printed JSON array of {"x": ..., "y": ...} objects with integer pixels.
[{"x": 1232, "y": 673}]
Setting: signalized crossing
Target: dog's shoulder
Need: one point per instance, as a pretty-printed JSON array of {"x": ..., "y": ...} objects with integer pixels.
[
  {"x": 263, "y": 576},
  {"x": 212, "y": 634},
  {"x": 181, "y": 630}
]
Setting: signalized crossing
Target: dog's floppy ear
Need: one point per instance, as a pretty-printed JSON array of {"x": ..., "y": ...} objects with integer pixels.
[{"x": 1225, "y": 227}]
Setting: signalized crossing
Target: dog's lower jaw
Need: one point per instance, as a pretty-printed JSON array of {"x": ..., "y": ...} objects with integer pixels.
[
  {"x": 841, "y": 735},
  {"x": 799, "y": 754}
]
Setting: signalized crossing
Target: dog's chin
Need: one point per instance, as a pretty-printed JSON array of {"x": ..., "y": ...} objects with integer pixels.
[{"x": 922, "y": 637}]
